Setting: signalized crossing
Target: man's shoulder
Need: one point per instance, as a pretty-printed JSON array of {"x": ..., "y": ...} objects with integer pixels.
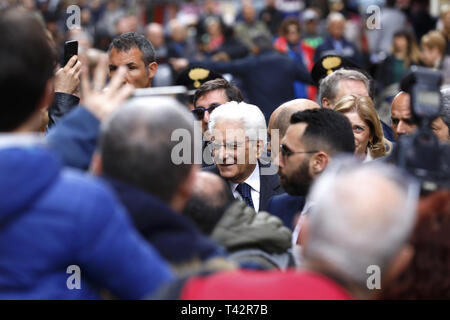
[
  {"x": 285, "y": 201},
  {"x": 244, "y": 284},
  {"x": 268, "y": 171},
  {"x": 285, "y": 197},
  {"x": 75, "y": 192}
]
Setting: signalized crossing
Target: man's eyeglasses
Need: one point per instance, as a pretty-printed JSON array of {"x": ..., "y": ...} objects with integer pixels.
[
  {"x": 286, "y": 152},
  {"x": 199, "y": 112},
  {"x": 228, "y": 146}
]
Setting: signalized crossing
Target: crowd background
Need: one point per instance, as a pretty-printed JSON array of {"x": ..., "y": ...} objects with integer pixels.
[
  {"x": 222, "y": 31},
  {"x": 229, "y": 216}
]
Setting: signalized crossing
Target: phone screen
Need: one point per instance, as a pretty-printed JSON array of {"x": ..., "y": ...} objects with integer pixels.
[{"x": 70, "y": 50}]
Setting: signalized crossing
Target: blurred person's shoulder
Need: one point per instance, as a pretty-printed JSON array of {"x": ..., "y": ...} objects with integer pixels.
[{"x": 78, "y": 193}]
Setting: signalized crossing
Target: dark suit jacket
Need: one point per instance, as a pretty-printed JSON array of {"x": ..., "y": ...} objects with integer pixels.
[
  {"x": 267, "y": 77},
  {"x": 327, "y": 47},
  {"x": 270, "y": 185},
  {"x": 285, "y": 207}
]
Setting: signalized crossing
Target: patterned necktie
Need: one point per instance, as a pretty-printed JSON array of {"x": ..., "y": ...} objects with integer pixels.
[{"x": 244, "y": 190}]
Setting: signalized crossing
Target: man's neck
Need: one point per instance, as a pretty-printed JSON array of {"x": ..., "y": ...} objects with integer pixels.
[
  {"x": 322, "y": 268},
  {"x": 32, "y": 125}
]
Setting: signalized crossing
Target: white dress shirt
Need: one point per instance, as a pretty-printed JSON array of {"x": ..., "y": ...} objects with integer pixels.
[
  {"x": 305, "y": 212},
  {"x": 255, "y": 184}
]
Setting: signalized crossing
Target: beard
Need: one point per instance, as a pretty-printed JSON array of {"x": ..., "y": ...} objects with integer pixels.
[{"x": 299, "y": 182}]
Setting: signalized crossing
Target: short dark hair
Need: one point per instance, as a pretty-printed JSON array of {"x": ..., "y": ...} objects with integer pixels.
[
  {"x": 127, "y": 41},
  {"x": 27, "y": 62},
  {"x": 284, "y": 27},
  {"x": 206, "y": 209},
  {"x": 327, "y": 130},
  {"x": 263, "y": 42},
  {"x": 233, "y": 93}
]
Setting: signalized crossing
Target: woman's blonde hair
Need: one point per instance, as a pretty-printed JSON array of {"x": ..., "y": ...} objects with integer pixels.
[
  {"x": 434, "y": 39},
  {"x": 364, "y": 107}
]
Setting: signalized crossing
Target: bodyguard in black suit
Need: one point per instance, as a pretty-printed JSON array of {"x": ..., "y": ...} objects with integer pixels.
[
  {"x": 239, "y": 135},
  {"x": 286, "y": 207}
]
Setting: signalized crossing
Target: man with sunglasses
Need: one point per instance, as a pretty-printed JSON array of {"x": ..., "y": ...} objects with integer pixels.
[
  {"x": 212, "y": 94},
  {"x": 313, "y": 138}
]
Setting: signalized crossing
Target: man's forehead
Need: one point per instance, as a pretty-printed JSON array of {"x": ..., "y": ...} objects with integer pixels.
[
  {"x": 134, "y": 55},
  {"x": 229, "y": 127},
  {"x": 294, "y": 133},
  {"x": 401, "y": 105},
  {"x": 214, "y": 96},
  {"x": 349, "y": 86},
  {"x": 229, "y": 132}
]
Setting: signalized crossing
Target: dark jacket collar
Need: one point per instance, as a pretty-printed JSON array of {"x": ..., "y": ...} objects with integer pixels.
[{"x": 173, "y": 235}]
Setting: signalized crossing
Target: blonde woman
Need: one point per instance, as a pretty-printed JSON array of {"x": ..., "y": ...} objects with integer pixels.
[{"x": 369, "y": 139}]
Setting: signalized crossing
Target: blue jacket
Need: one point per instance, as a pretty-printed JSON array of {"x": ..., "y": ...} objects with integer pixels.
[
  {"x": 74, "y": 138},
  {"x": 52, "y": 218},
  {"x": 285, "y": 207},
  {"x": 175, "y": 237}
]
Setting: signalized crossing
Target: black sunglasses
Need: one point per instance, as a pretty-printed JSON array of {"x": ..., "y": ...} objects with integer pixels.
[
  {"x": 286, "y": 152},
  {"x": 199, "y": 112}
]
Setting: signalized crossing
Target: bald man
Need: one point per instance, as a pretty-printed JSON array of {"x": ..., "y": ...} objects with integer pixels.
[
  {"x": 403, "y": 123},
  {"x": 279, "y": 119},
  {"x": 154, "y": 32},
  {"x": 285, "y": 206},
  {"x": 210, "y": 198},
  {"x": 401, "y": 116}
]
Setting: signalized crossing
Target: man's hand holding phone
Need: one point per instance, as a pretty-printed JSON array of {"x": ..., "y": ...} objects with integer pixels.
[{"x": 67, "y": 78}]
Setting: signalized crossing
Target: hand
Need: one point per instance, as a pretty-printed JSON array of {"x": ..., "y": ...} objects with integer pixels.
[
  {"x": 104, "y": 101},
  {"x": 67, "y": 79},
  {"x": 179, "y": 64},
  {"x": 221, "y": 56}
]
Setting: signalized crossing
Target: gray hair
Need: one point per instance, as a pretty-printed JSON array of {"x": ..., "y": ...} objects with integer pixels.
[
  {"x": 136, "y": 145},
  {"x": 335, "y": 16},
  {"x": 445, "y": 111},
  {"x": 249, "y": 115},
  {"x": 328, "y": 87},
  {"x": 366, "y": 217}
]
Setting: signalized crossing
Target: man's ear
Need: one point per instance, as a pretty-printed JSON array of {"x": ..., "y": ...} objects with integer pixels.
[
  {"x": 96, "y": 167},
  {"x": 399, "y": 263},
  {"x": 47, "y": 96},
  {"x": 326, "y": 103},
  {"x": 318, "y": 163},
  {"x": 259, "y": 148},
  {"x": 184, "y": 190},
  {"x": 152, "y": 68}
]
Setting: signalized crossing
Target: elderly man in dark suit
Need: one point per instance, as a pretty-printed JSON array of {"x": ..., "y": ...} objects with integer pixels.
[{"x": 239, "y": 136}]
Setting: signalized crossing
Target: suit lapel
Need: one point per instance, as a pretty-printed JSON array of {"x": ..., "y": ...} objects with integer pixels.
[{"x": 270, "y": 186}]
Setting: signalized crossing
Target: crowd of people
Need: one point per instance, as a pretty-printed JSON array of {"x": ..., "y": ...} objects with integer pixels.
[{"x": 276, "y": 175}]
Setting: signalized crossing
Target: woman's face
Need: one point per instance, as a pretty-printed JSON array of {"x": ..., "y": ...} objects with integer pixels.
[
  {"x": 361, "y": 132},
  {"x": 400, "y": 44},
  {"x": 292, "y": 34}
]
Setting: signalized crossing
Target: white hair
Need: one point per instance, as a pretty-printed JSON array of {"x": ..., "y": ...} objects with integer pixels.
[
  {"x": 249, "y": 115},
  {"x": 335, "y": 16},
  {"x": 362, "y": 215}
]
